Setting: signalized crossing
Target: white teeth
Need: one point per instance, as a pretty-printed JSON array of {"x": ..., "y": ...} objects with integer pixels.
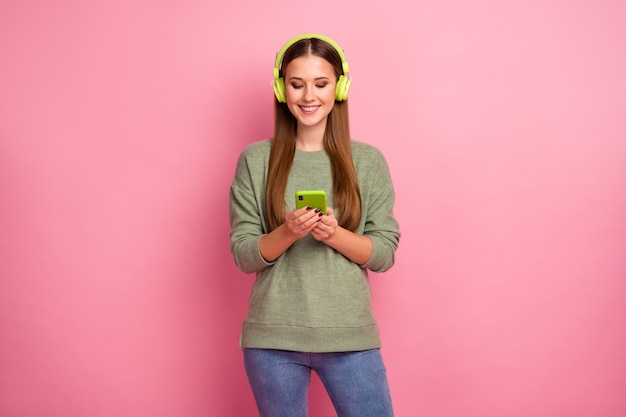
[{"x": 309, "y": 108}]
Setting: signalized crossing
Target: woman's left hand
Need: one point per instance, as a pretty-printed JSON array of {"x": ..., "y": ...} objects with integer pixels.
[{"x": 326, "y": 226}]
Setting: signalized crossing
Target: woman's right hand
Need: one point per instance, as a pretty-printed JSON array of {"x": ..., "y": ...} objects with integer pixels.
[
  {"x": 301, "y": 221},
  {"x": 298, "y": 223}
]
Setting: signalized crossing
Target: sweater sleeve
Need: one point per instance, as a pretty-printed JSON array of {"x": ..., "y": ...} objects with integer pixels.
[
  {"x": 380, "y": 224},
  {"x": 246, "y": 214}
]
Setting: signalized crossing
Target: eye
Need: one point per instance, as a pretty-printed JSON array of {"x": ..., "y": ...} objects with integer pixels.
[
  {"x": 296, "y": 86},
  {"x": 321, "y": 85}
]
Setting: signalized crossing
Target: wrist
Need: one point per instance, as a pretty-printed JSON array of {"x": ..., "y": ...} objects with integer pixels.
[
  {"x": 286, "y": 235},
  {"x": 331, "y": 240}
]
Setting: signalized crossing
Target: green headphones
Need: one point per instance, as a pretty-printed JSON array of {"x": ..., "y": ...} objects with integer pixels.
[{"x": 343, "y": 83}]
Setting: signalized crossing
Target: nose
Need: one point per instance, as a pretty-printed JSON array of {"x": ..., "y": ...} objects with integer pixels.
[{"x": 309, "y": 94}]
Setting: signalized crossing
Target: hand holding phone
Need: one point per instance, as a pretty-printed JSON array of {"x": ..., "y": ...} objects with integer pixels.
[{"x": 313, "y": 198}]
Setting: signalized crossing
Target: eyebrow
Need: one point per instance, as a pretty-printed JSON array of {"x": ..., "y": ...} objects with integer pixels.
[{"x": 301, "y": 79}]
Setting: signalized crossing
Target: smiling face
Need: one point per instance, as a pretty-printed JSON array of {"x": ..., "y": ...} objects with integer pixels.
[{"x": 310, "y": 89}]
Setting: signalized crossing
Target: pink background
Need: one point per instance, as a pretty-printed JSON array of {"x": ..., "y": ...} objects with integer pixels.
[{"x": 505, "y": 129}]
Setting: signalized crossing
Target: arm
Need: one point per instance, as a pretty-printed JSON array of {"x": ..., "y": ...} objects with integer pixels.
[
  {"x": 246, "y": 213},
  {"x": 298, "y": 223},
  {"x": 253, "y": 247},
  {"x": 375, "y": 248},
  {"x": 357, "y": 248},
  {"x": 381, "y": 225}
]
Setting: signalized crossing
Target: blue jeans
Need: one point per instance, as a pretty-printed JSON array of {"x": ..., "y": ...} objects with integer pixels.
[{"x": 356, "y": 382}]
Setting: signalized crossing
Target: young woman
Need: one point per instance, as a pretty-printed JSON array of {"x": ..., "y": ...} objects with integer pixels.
[{"x": 310, "y": 306}]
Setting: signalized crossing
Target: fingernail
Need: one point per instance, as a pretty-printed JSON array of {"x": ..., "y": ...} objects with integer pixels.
[
  {"x": 317, "y": 210},
  {"x": 321, "y": 214},
  {"x": 309, "y": 207}
]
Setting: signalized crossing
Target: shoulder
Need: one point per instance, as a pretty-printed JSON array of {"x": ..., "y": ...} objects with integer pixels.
[
  {"x": 255, "y": 154},
  {"x": 370, "y": 164},
  {"x": 259, "y": 148},
  {"x": 366, "y": 153},
  {"x": 253, "y": 158}
]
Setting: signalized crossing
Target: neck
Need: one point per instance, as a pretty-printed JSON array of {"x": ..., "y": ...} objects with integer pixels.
[{"x": 310, "y": 138}]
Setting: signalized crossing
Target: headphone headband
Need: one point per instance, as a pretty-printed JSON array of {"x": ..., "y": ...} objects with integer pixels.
[
  {"x": 343, "y": 83},
  {"x": 279, "y": 56}
]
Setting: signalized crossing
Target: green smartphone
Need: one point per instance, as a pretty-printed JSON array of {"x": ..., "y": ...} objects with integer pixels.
[{"x": 313, "y": 198}]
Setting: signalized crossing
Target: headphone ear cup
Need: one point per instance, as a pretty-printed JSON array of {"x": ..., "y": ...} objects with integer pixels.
[
  {"x": 279, "y": 90},
  {"x": 342, "y": 88}
]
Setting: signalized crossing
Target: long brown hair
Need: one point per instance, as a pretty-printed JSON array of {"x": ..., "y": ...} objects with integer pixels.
[{"x": 346, "y": 191}]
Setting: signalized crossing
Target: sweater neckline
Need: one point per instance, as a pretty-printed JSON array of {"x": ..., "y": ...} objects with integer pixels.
[{"x": 311, "y": 155}]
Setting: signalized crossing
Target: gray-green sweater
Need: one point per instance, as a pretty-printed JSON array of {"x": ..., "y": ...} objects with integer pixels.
[{"x": 312, "y": 298}]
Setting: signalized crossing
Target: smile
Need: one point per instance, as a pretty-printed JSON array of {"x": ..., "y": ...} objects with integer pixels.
[{"x": 309, "y": 109}]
